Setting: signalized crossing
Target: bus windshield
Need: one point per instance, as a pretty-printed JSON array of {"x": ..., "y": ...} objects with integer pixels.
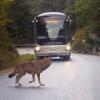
[
  {"x": 51, "y": 28},
  {"x": 54, "y": 26}
]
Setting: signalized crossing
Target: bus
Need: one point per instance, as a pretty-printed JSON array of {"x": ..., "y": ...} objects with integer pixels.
[{"x": 52, "y": 35}]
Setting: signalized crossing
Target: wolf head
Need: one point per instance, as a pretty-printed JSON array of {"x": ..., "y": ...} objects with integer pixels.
[{"x": 45, "y": 63}]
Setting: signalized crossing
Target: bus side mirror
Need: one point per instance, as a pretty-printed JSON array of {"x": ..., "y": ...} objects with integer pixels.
[
  {"x": 33, "y": 21},
  {"x": 73, "y": 39}
]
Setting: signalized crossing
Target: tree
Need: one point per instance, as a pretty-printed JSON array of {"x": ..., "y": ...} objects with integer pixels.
[
  {"x": 8, "y": 55},
  {"x": 22, "y": 13},
  {"x": 89, "y": 11},
  {"x": 87, "y": 20},
  {"x": 53, "y": 5},
  {"x": 4, "y": 6}
]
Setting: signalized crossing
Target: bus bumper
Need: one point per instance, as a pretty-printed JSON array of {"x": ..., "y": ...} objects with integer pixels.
[{"x": 54, "y": 55}]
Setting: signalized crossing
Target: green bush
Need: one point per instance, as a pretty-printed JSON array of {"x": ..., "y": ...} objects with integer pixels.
[
  {"x": 7, "y": 59},
  {"x": 8, "y": 54},
  {"x": 82, "y": 43},
  {"x": 27, "y": 57}
]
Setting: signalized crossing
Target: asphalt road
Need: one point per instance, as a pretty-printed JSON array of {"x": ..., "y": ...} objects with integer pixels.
[{"x": 78, "y": 79}]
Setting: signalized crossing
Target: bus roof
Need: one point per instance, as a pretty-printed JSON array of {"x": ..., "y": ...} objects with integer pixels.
[{"x": 52, "y": 13}]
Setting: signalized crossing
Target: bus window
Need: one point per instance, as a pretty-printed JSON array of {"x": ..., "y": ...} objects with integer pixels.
[
  {"x": 51, "y": 28},
  {"x": 54, "y": 26},
  {"x": 41, "y": 29}
]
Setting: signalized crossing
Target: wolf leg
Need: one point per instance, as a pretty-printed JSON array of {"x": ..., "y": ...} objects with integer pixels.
[
  {"x": 33, "y": 77},
  {"x": 38, "y": 76},
  {"x": 17, "y": 80}
]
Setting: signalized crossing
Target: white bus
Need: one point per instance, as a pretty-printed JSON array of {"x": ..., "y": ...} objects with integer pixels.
[{"x": 52, "y": 36}]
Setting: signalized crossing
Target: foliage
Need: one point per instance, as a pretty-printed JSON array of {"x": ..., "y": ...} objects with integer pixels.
[
  {"x": 51, "y": 5},
  {"x": 19, "y": 27},
  {"x": 87, "y": 20},
  {"x": 82, "y": 42},
  {"x": 22, "y": 58},
  {"x": 8, "y": 55},
  {"x": 89, "y": 11},
  {"x": 27, "y": 57},
  {"x": 4, "y": 6}
]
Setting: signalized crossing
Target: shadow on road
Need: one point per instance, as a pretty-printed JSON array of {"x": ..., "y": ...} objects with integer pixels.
[{"x": 28, "y": 87}]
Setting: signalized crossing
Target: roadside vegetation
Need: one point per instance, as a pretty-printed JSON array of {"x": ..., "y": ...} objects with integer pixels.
[
  {"x": 87, "y": 33},
  {"x": 26, "y": 57},
  {"x": 11, "y": 63},
  {"x": 8, "y": 54}
]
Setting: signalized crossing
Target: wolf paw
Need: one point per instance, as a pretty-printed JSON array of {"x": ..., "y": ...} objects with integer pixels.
[
  {"x": 20, "y": 85},
  {"x": 42, "y": 84},
  {"x": 31, "y": 81}
]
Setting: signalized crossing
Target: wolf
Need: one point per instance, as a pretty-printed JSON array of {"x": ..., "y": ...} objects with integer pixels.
[{"x": 35, "y": 67}]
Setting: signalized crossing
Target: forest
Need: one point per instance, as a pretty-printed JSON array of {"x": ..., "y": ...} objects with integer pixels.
[{"x": 16, "y": 23}]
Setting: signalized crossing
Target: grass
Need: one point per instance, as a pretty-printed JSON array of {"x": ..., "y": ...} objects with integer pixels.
[
  {"x": 22, "y": 58},
  {"x": 26, "y": 57}
]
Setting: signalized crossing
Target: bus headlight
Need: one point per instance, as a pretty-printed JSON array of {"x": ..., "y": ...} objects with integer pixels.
[
  {"x": 68, "y": 47},
  {"x": 37, "y": 48}
]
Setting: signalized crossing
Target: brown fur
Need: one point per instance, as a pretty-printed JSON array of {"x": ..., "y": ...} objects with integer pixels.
[{"x": 35, "y": 67}]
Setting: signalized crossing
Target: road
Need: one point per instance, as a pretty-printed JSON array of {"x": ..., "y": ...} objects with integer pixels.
[{"x": 78, "y": 79}]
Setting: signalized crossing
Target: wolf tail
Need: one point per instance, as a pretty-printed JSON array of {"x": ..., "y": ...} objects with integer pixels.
[{"x": 12, "y": 74}]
